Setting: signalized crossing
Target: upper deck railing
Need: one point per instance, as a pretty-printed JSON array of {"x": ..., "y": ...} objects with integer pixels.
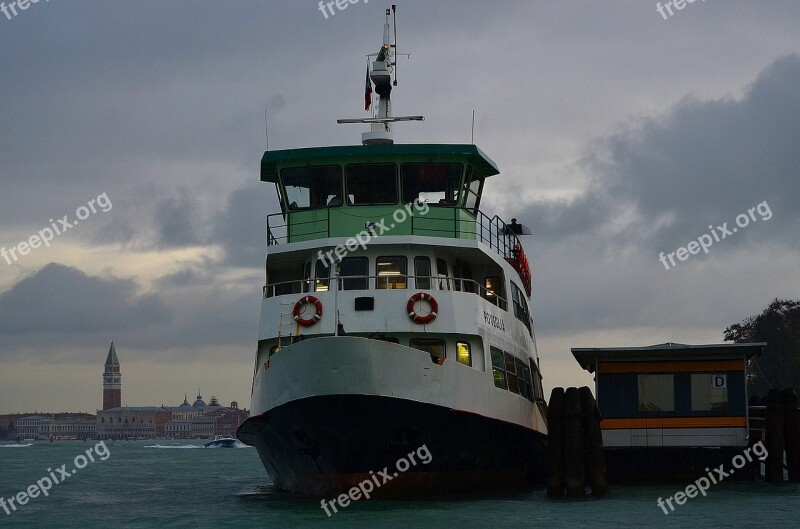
[{"x": 450, "y": 222}]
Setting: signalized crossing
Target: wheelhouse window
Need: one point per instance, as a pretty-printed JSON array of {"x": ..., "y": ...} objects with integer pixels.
[
  {"x": 422, "y": 269},
  {"x": 322, "y": 275},
  {"x": 353, "y": 272},
  {"x": 472, "y": 191},
  {"x": 709, "y": 392},
  {"x": 498, "y": 368},
  {"x": 434, "y": 183},
  {"x": 371, "y": 184},
  {"x": 312, "y": 187},
  {"x": 463, "y": 353},
  {"x": 656, "y": 392},
  {"x": 392, "y": 272},
  {"x": 436, "y": 348}
]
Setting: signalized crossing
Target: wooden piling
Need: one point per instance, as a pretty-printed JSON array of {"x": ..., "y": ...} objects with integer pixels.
[
  {"x": 573, "y": 445},
  {"x": 791, "y": 434},
  {"x": 774, "y": 439},
  {"x": 555, "y": 443},
  {"x": 595, "y": 460}
]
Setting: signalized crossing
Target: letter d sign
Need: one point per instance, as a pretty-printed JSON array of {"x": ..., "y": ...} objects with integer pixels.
[{"x": 719, "y": 381}]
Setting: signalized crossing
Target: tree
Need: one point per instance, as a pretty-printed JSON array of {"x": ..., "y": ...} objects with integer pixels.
[{"x": 779, "y": 326}]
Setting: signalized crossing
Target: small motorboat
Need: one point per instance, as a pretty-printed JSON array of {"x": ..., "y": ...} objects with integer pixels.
[{"x": 222, "y": 441}]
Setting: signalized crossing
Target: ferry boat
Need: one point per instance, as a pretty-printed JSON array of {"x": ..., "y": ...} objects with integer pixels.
[{"x": 395, "y": 317}]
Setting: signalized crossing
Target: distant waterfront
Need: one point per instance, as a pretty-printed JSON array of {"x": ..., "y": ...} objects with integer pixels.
[{"x": 180, "y": 484}]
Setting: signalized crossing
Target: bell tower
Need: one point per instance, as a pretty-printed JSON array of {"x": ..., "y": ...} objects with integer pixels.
[{"x": 112, "y": 381}]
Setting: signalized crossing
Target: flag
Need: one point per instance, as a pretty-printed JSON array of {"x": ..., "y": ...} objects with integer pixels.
[{"x": 368, "y": 92}]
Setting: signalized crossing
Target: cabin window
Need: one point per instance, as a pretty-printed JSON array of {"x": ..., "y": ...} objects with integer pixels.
[
  {"x": 498, "y": 369},
  {"x": 441, "y": 273},
  {"x": 466, "y": 274},
  {"x": 709, "y": 392},
  {"x": 524, "y": 378},
  {"x": 511, "y": 373},
  {"x": 520, "y": 306},
  {"x": 472, "y": 191},
  {"x": 371, "y": 184},
  {"x": 434, "y": 183},
  {"x": 307, "y": 277},
  {"x": 436, "y": 348},
  {"x": 354, "y": 271},
  {"x": 323, "y": 272},
  {"x": 392, "y": 272},
  {"x": 493, "y": 287},
  {"x": 463, "y": 353},
  {"x": 656, "y": 392},
  {"x": 422, "y": 269},
  {"x": 457, "y": 278},
  {"x": 538, "y": 391},
  {"x": 312, "y": 187}
]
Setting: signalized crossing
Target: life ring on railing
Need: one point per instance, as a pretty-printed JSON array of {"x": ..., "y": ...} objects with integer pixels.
[
  {"x": 416, "y": 318},
  {"x": 305, "y": 322}
]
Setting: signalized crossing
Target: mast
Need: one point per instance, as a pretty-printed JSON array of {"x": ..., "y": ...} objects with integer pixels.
[{"x": 380, "y": 74}]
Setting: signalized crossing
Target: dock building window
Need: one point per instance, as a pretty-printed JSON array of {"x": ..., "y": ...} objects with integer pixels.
[
  {"x": 354, "y": 271},
  {"x": 434, "y": 183},
  {"x": 436, "y": 348},
  {"x": 706, "y": 397},
  {"x": 498, "y": 368},
  {"x": 371, "y": 184},
  {"x": 312, "y": 187},
  {"x": 656, "y": 392},
  {"x": 422, "y": 269},
  {"x": 392, "y": 272},
  {"x": 463, "y": 353}
]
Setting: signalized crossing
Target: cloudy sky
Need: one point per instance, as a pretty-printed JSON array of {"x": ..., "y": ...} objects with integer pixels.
[{"x": 619, "y": 135}]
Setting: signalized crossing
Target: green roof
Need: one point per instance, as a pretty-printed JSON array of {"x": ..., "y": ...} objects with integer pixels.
[
  {"x": 382, "y": 152},
  {"x": 111, "y": 359}
]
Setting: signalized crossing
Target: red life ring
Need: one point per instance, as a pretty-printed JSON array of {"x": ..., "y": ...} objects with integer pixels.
[
  {"x": 416, "y": 318},
  {"x": 305, "y": 322}
]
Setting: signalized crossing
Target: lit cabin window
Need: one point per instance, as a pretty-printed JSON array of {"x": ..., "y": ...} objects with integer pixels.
[
  {"x": 371, "y": 184},
  {"x": 656, "y": 392},
  {"x": 436, "y": 348},
  {"x": 708, "y": 393},
  {"x": 498, "y": 369},
  {"x": 511, "y": 373},
  {"x": 354, "y": 272},
  {"x": 323, "y": 272},
  {"x": 422, "y": 269},
  {"x": 392, "y": 272},
  {"x": 492, "y": 285},
  {"x": 312, "y": 187},
  {"x": 434, "y": 183},
  {"x": 463, "y": 353}
]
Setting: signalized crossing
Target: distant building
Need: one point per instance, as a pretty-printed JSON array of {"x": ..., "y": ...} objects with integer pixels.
[
  {"x": 145, "y": 422},
  {"x": 200, "y": 420},
  {"x": 56, "y": 426},
  {"x": 112, "y": 381}
]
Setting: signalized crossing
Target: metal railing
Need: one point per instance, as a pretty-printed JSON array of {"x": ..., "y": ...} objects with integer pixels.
[
  {"x": 491, "y": 231},
  {"x": 441, "y": 283}
]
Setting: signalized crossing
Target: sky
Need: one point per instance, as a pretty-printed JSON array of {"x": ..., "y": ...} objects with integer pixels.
[{"x": 620, "y": 134}]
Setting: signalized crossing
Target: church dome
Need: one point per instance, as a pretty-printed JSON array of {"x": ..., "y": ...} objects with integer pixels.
[
  {"x": 199, "y": 402},
  {"x": 185, "y": 404}
]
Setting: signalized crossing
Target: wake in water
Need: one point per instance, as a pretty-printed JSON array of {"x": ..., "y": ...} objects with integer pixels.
[
  {"x": 16, "y": 446},
  {"x": 173, "y": 446}
]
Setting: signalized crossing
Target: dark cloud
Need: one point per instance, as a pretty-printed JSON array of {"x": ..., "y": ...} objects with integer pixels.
[
  {"x": 241, "y": 227},
  {"x": 177, "y": 222}
]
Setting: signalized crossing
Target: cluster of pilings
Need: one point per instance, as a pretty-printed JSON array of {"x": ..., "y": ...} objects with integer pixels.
[
  {"x": 575, "y": 445},
  {"x": 775, "y": 421}
]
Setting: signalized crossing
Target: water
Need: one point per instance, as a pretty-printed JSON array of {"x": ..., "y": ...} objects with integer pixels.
[{"x": 168, "y": 484}]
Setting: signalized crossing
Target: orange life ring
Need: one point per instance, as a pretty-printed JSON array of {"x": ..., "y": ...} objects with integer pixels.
[
  {"x": 305, "y": 322},
  {"x": 416, "y": 318}
]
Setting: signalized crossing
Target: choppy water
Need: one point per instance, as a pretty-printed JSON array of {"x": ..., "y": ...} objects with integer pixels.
[{"x": 169, "y": 484}]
